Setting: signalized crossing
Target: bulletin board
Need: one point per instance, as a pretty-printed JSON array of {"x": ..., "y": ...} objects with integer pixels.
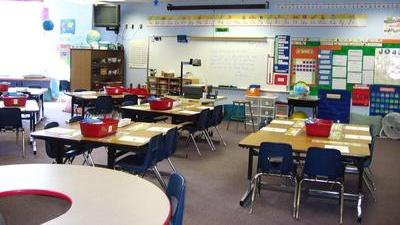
[
  {"x": 304, "y": 64},
  {"x": 387, "y": 62}
]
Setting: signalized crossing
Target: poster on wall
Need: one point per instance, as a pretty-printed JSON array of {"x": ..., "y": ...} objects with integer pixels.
[
  {"x": 325, "y": 67},
  {"x": 304, "y": 64},
  {"x": 67, "y": 26},
  {"x": 387, "y": 66},
  {"x": 391, "y": 26},
  {"x": 282, "y": 54}
]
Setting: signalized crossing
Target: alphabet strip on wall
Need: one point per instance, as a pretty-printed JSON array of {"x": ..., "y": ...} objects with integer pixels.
[{"x": 291, "y": 20}]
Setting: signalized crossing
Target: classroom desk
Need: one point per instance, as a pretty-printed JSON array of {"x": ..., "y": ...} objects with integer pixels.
[
  {"x": 309, "y": 101},
  {"x": 355, "y": 137},
  {"x": 186, "y": 111},
  {"x": 85, "y": 97},
  {"x": 31, "y": 108},
  {"x": 71, "y": 134},
  {"x": 203, "y": 101},
  {"x": 97, "y": 195},
  {"x": 37, "y": 94}
]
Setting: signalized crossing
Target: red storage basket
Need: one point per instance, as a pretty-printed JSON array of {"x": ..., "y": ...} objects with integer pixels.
[
  {"x": 107, "y": 127},
  {"x": 4, "y": 86},
  {"x": 15, "y": 100},
  {"x": 114, "y": 90},
  {"x": 319, "y": 128},
  {"x": 138, "y": 91},
  {"x": 161, "y": 104}
]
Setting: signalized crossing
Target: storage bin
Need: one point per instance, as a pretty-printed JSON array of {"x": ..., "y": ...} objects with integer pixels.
[
  {"x": 161, "y": 104},
  {"x": 114, "y": 90},
  {"x": 104, "y": 128},
  {"x": 318, "y": 127},
  {"x": 4, "y": 86},
  {"x": 138, "y": 91},
  {"x": 15, "y": 100}
]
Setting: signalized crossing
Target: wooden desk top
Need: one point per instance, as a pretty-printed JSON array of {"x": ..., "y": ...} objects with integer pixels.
[
  {"x": 32, "y": 91},
  {"x": 31, "y": 106},
  {"x": 132, "y": 135},
  {"x": 310, "y": 98},
  {"x": 91, "y": 95},
  {"x": 355, "y": 137},
  {"x": 98, "y": 196},
  {"x": 184, "y": 109}
]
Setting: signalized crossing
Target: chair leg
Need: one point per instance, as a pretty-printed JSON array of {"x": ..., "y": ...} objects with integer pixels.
[
  {"x": 171, "y": 165},
  {"x": 23, "y": 144},
  {"x": 89, "y": 155},
  {"x": 341, "y": 203},
  {"x": 295, "y": 197},
  {"x": 159, "y": 177},
  {"x": 369, "y": 187},
  {"x": 254, "y": 186},
  {"x": 211, "y": 141},
  {"x": 16, "y": 137},
  {"x": 208, "y": 138},
  {"x": 368, "y": 174},
  {"x": 220, "y": 136},
  {"x": 298, "y": 199},
  {"x": 195, "y": 144}
]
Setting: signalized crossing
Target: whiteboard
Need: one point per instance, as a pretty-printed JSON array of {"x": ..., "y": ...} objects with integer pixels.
[{"x": 224, "y": 62}]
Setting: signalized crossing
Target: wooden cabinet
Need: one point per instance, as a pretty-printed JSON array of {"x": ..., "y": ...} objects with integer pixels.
[
  {"x": 165, "y": 85},
  {"x": 92, "y": 69}
]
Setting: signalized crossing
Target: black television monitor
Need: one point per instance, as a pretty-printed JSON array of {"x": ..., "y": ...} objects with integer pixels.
[{"x": 106, "y": 15}]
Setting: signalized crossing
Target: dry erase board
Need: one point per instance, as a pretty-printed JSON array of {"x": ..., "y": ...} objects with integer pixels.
[{"x": 224, "y": 61}]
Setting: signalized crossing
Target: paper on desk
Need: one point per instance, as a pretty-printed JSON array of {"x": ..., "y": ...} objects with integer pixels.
[
  {"x": 282, "y": 122},
  {"x": 61, "y": 131},
  {"x": 139, "y": 126},
  {"x": 203, "y": 107},
  {"x": 349, "y": 127},
  {"x": 274, "y": 129},
  {"x": 135, "y": 139},
  {"x": 293, "y": 131},
  {"x": 357, "y": 137},
  {"x": 341, "y": 148},
  {"x": 188, "y": 112},
  {"x": 159, "y": 129}
]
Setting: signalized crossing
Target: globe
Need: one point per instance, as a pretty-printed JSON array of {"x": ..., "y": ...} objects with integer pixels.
[
  {"x": 48, "y": 25},
  {"x": 93, "y": 37},
  {"x": 301, "y": 89}
]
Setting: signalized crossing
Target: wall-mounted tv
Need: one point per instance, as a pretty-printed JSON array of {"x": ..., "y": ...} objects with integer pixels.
[{"x": 106, "y": 15}]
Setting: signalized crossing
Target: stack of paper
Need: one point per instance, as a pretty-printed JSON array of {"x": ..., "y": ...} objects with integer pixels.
[
  {"x": 285, "y": 122},
  {"x": 135, "y": 139},
  {"x": 341, "y": 148},
  {"x": 159, "y": 129},
  {"x": 274, "y": 129},
  {"x": 349, "y": 127},
  {"x": 188, "y": 112},
  {"x": 357, "y": 137}
]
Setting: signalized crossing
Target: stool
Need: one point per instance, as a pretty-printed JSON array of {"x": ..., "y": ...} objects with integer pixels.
[{"x": 235, "y": 116}]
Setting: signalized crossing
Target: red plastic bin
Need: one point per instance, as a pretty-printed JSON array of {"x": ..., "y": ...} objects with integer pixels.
[
  {"x": 15, "y": 100},
  {"x": 161, "y": 104},
  {"x": 319, "y": 128},
  {"x": 138, "y": 91},
  {"x": 107, "y": 127},
  {"x": 114, "y": 90},
  {"x": 4, "y": 86}
]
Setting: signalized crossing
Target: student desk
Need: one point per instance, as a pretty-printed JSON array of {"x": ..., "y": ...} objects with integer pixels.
[
  {"x": 97, "y": 195},
  {"x": 37, "y": 94},
  {"x": 85, "y": 97},
  {"x": 188, "y": 111},
  {"x": 355, "y": 138},
  {"x": 309, "y": 101},
  {"x": 132, "y": 137},
  {"x": 31, "y": 108}
]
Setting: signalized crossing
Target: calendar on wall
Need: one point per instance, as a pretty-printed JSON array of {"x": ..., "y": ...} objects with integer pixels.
[{"x": 304, "y": 64}]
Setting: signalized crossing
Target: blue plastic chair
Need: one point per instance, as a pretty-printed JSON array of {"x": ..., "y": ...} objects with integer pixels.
[
  {"x": 103, "y": 105},
  {"x": 133, "y": 98},
  {"x": 274, "y": 159},
  {"x": 217, "y": 116},
  {"x": 200, "y": 126},
  {"x": 168, "y": 147},
  {"x": 140, "y": 163},
  {"x": 176, "y": 191},
  {"x": 11, "y": 120},
  {"x": 323, "y": 165}
]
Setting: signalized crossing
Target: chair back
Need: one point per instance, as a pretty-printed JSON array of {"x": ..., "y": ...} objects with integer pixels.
[
  {"x": 75, "y": 119},
  {"x": 128, "y": 103},
  {"x": 220, "y": 113},
  {"x": 133, "y": 98},
  {"x": 10, "y": 119},
  {"x": 276, "y": 158},
  {"x": 215, "y": 116},
  {"x": 104, "y": 104},
  {"x": 168, "y": 145},
  {"x": 64, "y": 85},
  {"x": 176, "y": 192},
  {"x": 35, "y": 86},
  {"x": 323, "y": 163},
  {"x": 151, "y": 154},
  {"x": 49, "y": 148},
  {"x": 202, "y": 121}
]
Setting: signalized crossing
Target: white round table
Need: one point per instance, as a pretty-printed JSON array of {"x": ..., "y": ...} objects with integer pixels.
[{"x": 98, "y": 196}]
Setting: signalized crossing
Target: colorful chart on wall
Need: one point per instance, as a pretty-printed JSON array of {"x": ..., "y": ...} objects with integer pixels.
[
  {"x": 304, "y": 64},
  {"x": 387, "y": 66}
]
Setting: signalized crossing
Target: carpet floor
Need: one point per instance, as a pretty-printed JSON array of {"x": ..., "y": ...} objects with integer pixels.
[{"x": 215, "y": 183}]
